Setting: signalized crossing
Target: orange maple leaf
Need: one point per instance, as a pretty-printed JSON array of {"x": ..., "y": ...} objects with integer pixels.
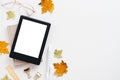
[
  {"x": 3, "y": 47},
  {"x": 61, "y": 68},
  {"x": 47, "y": 5}
]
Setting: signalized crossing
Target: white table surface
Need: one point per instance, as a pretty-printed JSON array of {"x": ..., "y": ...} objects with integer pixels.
[{"x": 87, "y": 31}]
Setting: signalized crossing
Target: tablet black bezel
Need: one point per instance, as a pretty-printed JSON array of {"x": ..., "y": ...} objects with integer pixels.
[{"x": 27, "y": 58}]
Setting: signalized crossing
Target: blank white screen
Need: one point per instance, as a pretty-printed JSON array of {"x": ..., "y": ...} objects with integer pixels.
[{"x": 30, "y": 38}]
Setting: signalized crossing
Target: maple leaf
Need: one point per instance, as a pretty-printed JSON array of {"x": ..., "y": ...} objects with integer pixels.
[
  {"x": 47, "y": 5},
  {"x": 3, "y": 47},
  {"x": 10, "y": 15},
  {"x": 58, "y": 53},
  {"x": 5, "y": 78},
  {"x": 61, "y": 68}
]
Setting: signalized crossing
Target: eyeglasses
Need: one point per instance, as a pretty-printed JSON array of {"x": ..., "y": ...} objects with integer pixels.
[{"x": 28, "y": 9}]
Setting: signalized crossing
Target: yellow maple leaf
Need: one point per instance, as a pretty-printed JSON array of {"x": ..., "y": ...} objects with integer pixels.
[
  {"x": 58, "y": 53},
  {"x": 61, "y": 68},
  {"x": 10, "y": 15},
  {"x": 3, "y": 47},
  {"x": 47, "y": 5},
  {"x": 5, "y": 78}
]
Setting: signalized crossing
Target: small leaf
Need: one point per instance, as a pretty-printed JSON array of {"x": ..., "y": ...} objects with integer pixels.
[
  {"x": 5, "y": 78},
  {"x": 58, "y": 53},
  {"x": 10, "y": 15}
]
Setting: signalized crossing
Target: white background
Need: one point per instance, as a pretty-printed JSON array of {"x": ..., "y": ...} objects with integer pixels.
[{"x": 87, "y": 31}]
